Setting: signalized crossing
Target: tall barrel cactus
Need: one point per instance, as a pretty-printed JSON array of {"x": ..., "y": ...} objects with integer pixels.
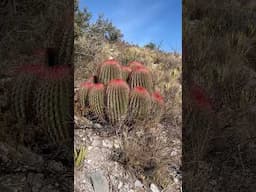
[
  {"x": 83, "y": 95},
  {"x": 140, "y": 103},
  {"x": 54, "y": 103},
  {"x": 96, "y": 100},
  {"x": 23, "y": 91},
  {"x": 117, "y": 100},
  {"x": 157, "y": 108},
  {"x": 109, "y": 70},
  {"x": 142, "y": 77},
  {"x": 126, "y": 72}
]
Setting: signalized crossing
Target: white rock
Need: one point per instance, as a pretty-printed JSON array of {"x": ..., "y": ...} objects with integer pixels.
[
  {"x": 120, "y": 185},
  {"x": 138, "y": 184},
  {"x": 154, "y": 188}
]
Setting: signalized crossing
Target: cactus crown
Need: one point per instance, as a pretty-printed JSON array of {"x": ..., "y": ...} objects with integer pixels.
[
  {"x": 125, "y": 68},
  {"x": 98, "y": 86},
  {"x": 135, "y": 64},
  {"x": 119, "y": 82},
  {"x": 158, "y": 97},
  {"x": 111, "y": 62},
  {"x": 86, "y": 85},
  {"x": 141, "y": 90}
]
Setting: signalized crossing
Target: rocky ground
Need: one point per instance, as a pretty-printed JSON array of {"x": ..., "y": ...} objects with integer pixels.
[{"x": 99, "y": 173}]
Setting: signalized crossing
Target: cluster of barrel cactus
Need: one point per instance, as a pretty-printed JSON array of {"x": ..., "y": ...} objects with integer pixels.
[
  {"x": 118, "y": 93},
  {"x": 43, "y": 95}
]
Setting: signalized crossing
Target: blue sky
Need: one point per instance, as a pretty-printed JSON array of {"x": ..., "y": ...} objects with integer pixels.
[{"x": 143, "y": 21}]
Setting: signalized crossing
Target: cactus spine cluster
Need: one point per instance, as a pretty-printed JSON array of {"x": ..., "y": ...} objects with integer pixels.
[
  {"x": 109, "y": 70},
  {"x": 117, "y": 100},
  {"x": 123, "y": 93},
  {"x": 96, "y": 100}
]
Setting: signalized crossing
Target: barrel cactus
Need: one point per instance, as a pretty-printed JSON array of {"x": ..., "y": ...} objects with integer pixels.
[
  {"x": 117, "y": 100},
  {"x": 83, "y": 95},
  {"x": 141, "y": 76},
  {"x": 109, "y": 70},
  {"x": 140, "y": 103},
  {"x": 54, "y": 103},
  {"x": 23, "y": 91},
  {"x": 157, "y": 106},
  {"x": 96, "y": 100}
]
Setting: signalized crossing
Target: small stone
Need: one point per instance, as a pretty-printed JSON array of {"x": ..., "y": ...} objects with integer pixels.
[
  {"x": 120, "y": 185},
  {"x": 154, "y": 188},
  {"x": 99, "y": 182},
  {"x": 97, "y": 126},
  {"x": 138, "y": 184}
]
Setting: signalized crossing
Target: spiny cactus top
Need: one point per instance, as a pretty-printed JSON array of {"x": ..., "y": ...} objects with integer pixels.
[
  {"x": 135, "y": 64},
  {"x": 109, "y": 70},
  {"x": 141, "y": 90},
  {"x": 118, "y": 82},
  {"x": 56, "y": 72},
  {"x": 87, "y": 85},
  {"x": 35, "y": 69},
  {"x": 158, "y": 97},
  {"x": 157, "y": 106}
]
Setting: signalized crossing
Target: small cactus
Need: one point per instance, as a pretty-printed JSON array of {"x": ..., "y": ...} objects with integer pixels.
[
  {"x": 117, "y": 100},
  {"x": 157, "y": 106},
  {"x": 83, "y": 95},
  {"x": 96, "y": 100},
  {"x": 109, "y": 70},
  {"x": 141, "y": 76},
  {"x": 126, "y": 72},
  {"x": 140, "y": 103}
]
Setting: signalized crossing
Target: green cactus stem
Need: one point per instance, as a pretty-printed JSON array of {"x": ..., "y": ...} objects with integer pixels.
[
  {"x": 117, "y": 100},
  {"x": 141, "y": 76},
  {"x": 96, "y": 100},
  {"x": 140, "y": 104},
  {"x": 109, "y": 70}
]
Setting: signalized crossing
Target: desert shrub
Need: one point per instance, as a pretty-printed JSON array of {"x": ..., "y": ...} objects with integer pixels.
[{"x": 146, "y": 151}]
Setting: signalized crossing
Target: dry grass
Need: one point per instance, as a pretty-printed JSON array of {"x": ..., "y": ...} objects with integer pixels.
[{"x": 218, "y": 46}]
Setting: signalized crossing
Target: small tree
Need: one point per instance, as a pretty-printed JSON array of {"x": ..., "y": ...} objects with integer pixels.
[
  {"x": 151, "y": 46},
  {"x": 106, "y": 29},
  {"x": 81, "y": 20}
]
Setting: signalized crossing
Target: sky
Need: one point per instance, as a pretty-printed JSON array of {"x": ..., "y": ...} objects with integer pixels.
[{"x": 142, "y": 21}]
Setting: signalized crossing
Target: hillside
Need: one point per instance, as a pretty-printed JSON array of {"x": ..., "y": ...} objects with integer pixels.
[{"x": 105, "y": 151}]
